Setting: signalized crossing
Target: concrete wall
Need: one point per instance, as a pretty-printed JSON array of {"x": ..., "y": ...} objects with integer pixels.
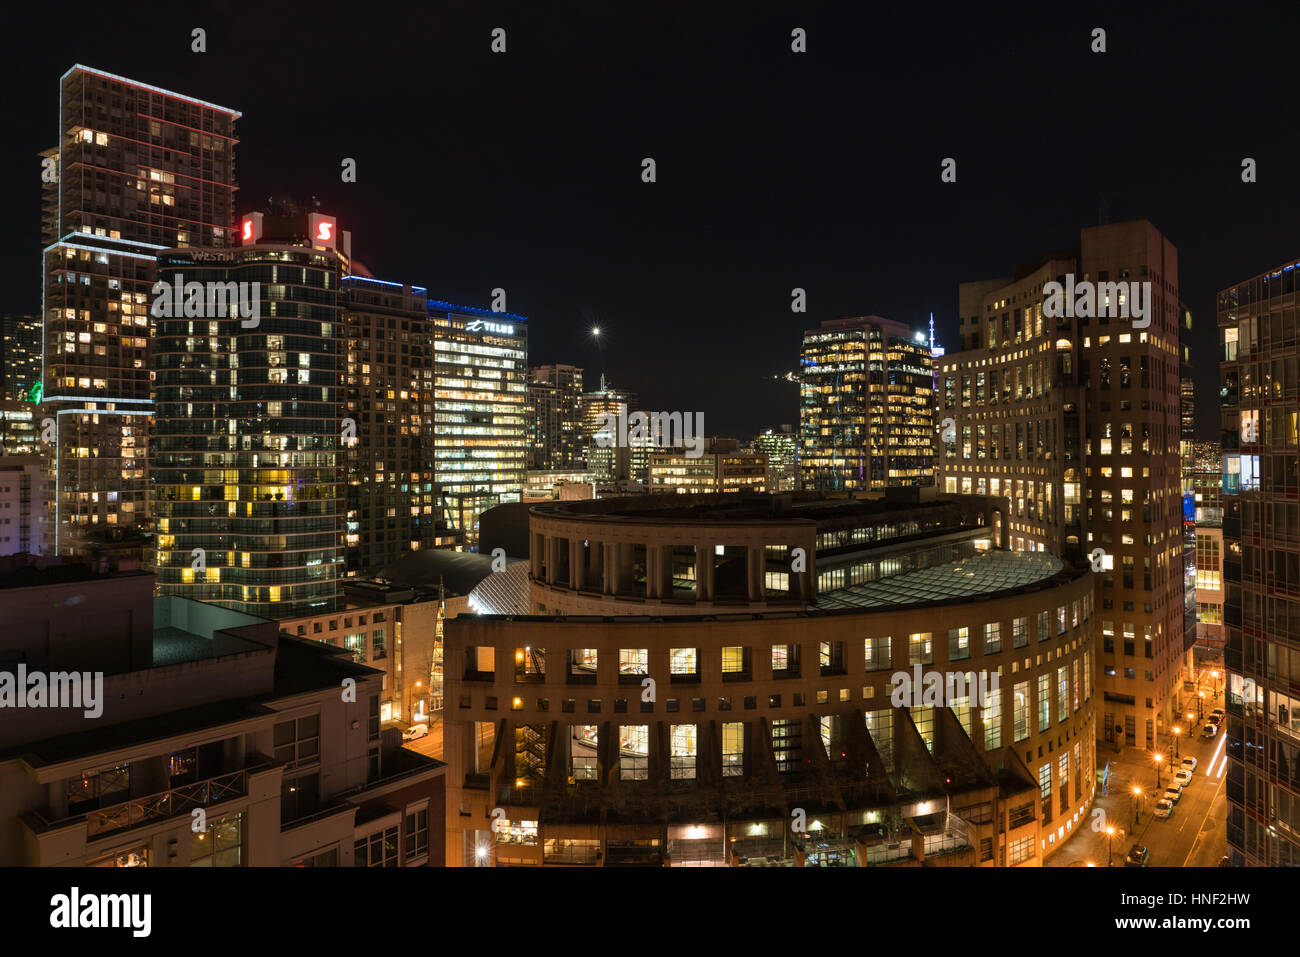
[{"x": 103, "y": 624}]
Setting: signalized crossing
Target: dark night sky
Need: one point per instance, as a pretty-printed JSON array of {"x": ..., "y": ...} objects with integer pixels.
[{"x": 775, "y": 169}]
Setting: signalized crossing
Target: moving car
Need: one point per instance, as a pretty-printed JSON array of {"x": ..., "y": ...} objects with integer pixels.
[
  {"x": 1189, "y": 764},
  {"x": 1138, "y": 856},
  {"x": 415, "y": 732},
  {"x": 1164, "y": 807},
  {"x": 1209, "y": 731},
  {"x": 1183, "y": 777},
  {"x": 1174, "y": 792}
]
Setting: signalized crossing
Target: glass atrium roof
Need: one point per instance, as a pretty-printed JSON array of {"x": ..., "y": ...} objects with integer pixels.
[{"x": 982, "y": 574}]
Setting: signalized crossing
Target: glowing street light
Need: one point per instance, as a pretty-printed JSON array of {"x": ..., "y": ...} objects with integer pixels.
[
  {"x": 1158, "y": 759},
  {"x": 1137, "y": 797},
  {"x": 1110, "y": 834}
]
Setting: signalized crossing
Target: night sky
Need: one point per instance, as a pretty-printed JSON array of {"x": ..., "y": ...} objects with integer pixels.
[{"x": 775, "y": 169}]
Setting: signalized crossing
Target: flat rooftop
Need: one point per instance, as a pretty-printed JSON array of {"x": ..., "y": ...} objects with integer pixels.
[
  {"x": 740, "y": 507},
  {"x": 175, "y": 646},
  {"x": 982, "y": 574}
]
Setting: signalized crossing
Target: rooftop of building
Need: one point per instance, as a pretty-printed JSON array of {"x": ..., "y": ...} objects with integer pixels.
[
  {"x": 99, "y": 738},
  {"x": 741, "y": 507},
  {"x": 441, "y": 305},
  {"x": 32, "y": 571},
  {"x": 175, "y": 646},
  {"x": 395, "y": 286},
  {"x": 988, "y": 574},
  {"x": 985, "y": 573},
  {"x": 856, "y": 322},
  {"x": 503, "y": 593},
  {"x": 235, "y": 114},
  {"x": 301, "y": 667},
  {"x": 457, "y": 572}
]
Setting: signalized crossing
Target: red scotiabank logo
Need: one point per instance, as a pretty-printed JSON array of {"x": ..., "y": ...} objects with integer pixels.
[
  {"x": 248, "y": 230},
  {"x": 323, "y": 231}
]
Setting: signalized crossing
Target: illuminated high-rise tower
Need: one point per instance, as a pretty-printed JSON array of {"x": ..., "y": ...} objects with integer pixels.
[
  {"x": 555, "y": 417},
  {"x": 20, "y": 357},
  {"x": 247, "y": 460},
  {"x": 480, "y": 396},
  {"x": 1072, "y": 417},
  {"x": 393, "y": 502},
  {"x": 866, "y": 406},
  {"x": 137, "y": 170},
  {"x": 1259, "y": 381}
]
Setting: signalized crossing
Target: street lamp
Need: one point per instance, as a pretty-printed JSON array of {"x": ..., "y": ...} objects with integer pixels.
[
  {"x": 1200, "y": 705},
  {"x": 1177, "y": 734},
  {"x": 1159, "y": 758},
  {"x": 1110, "y": 833},
  {"x": 1137, "y": 796},
  {"x": 1215, "y": 676}
]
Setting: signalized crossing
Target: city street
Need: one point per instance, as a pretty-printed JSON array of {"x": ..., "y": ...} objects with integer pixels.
[
  {"x": 431, "y": 744},
  {"x": 1194, "y": 836}
]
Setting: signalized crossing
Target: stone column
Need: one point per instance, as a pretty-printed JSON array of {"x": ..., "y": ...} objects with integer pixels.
[
  {"x": 755, "y": 561},
  {"x": 551, "y": 558},
  {"x": 577, "y": 564},
  {"x": 703, "y": 573}
]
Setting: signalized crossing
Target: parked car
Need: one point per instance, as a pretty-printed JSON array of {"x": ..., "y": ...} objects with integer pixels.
[
  {"x": 415, "y": 732},
  {"x": 1216, "y": 713},
  {"x": 1214, "y": 719},
  {"x": 1164, "y": 807},
  {"x": 1138, "y": 856},
  {"x": 1183, "y": 777},
  {"x": 1189, "y": 764},
  {"x": 1209, "y": 731},
  {"x": 1174, "y": 792}
]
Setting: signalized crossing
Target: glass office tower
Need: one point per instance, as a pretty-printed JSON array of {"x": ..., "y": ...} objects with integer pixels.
[
  {"x": 866, "y": 406},
  {"x": 247, "y": 460},
  {"x": 480, "y": 427}
]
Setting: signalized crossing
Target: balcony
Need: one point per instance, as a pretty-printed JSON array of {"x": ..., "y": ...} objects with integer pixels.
[
  {"x": 176, "y": 801},
  {"x": 151, "y": 808}
]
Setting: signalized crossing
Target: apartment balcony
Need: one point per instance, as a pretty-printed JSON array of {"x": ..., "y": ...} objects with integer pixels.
[{"x": 152, "y": 808}]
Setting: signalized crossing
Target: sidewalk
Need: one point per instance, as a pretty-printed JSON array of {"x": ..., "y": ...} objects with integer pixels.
[{"x": 1128, "y": 767}]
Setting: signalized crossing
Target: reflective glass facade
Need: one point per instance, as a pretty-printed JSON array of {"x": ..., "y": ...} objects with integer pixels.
[
  {"x": 247, "y": 461},
  {"x": 1260, "y": 399},
  {"x": 480, "y": 423},
  {"x": 866, "y": 406}
]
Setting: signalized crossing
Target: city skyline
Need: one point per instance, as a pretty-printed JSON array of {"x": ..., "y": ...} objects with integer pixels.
[
  {"x": 652, "y": 437},
  {"x": 877, "y": 256}
]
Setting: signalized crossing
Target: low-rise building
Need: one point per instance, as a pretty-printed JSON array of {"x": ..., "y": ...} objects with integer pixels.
[
  {"x": 214, "y": 740},
  {"x": 642, "y": 727}
]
